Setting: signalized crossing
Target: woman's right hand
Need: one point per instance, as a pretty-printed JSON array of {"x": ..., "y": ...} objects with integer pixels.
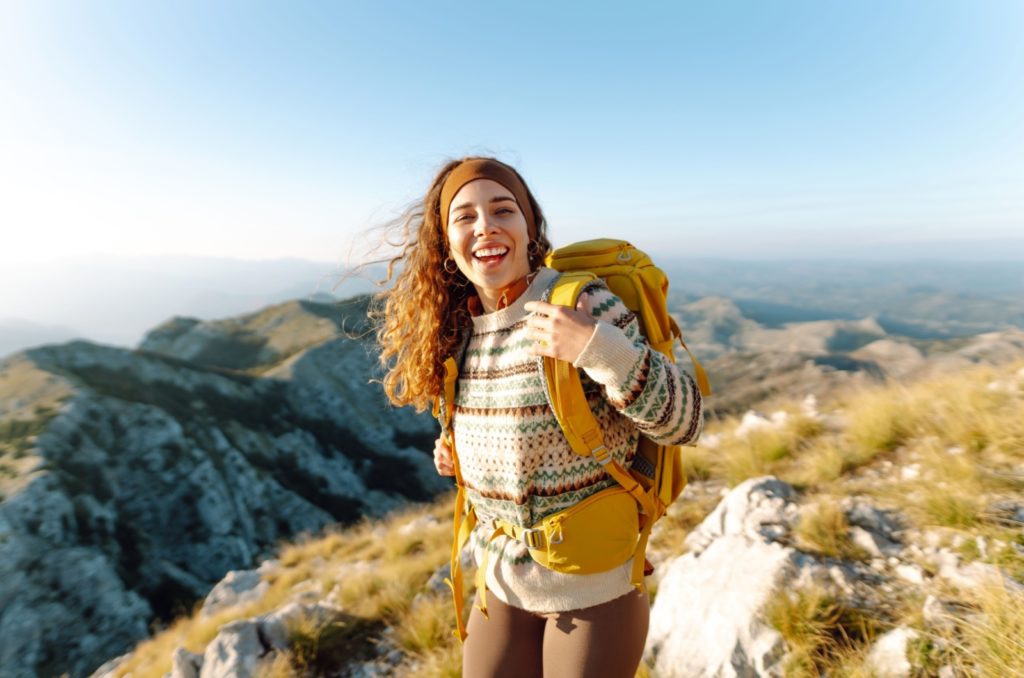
[{"x": 443, "y": 461}]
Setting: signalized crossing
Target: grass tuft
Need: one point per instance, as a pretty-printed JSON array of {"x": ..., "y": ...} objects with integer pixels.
[
  {"x": 820, "y": 632},
  {"x": 989, "y": 642},
  {"x": 824, "y": 530}
]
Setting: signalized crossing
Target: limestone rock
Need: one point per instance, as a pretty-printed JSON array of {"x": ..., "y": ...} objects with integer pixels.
[
  {"x": 274, "y": 625},
  {"x": 185, "y": 664},
  {"x": 236, "y": 652},
  {"x": 888, "y": 656},
  {"x": 875, "y": 544},
  {"x": 705, "y": 621},
  {"x": 236, "y": 588}
]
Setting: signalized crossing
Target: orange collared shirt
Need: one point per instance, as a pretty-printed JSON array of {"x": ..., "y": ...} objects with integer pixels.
[{"x": 508, "y": 296}]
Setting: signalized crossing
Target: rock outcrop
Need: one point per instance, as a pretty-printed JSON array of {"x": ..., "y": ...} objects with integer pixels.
[{"x": 709, "y": 615}]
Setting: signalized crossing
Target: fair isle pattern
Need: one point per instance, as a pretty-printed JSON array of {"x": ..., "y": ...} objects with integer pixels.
[{"x": 515, "y": 461}]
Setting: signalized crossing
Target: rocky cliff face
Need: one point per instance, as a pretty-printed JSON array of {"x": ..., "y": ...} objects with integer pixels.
[{"x": 134, "y": 480}]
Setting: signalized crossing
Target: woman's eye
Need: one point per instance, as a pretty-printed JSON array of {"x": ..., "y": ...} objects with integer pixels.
[
  {"x": 461, "y": 217},
  {"x": 505, "y": 209}
]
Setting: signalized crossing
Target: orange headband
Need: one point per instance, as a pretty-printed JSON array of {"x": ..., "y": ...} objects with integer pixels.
[{"x": 470, "y": 170}]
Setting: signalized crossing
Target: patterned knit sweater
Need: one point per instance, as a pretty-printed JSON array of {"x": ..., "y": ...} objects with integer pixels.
[{"x": 517, "y": 464}]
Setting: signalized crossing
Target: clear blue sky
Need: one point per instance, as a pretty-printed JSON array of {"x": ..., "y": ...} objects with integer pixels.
[{"x": 260, "y": 130}]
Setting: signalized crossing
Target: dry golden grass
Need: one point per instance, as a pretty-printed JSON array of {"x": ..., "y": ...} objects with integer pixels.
[
  {"x": 958, "y": 411},
  {"x": 823, "y": 530},
  {"x": 759, "y": 452},
  {"x": 992, "y": 642},
  {"x": 821, "y": 634},
  {"x": 443, "y": 661},
  {"x": 986, "y": 641},
  {"x": 281, "y": 666},
  {"x": 426, "y": 632},
  {"x": 319, "y": 647},
  {"x": 426, "y": 624},
  {"x": 880, "y": 421},
  {"x": 402, "y": 561},
  {"x": 697, "y": 462}
]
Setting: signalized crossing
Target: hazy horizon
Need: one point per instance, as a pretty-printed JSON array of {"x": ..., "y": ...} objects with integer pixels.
[{"x": 116, "y": 299}]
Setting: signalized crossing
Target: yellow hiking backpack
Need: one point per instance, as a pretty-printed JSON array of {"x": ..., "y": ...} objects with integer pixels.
[{"x": 607, "y": 528}]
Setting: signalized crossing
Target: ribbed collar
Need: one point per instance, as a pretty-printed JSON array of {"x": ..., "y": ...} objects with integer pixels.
[{"x": 486, "y": 322}]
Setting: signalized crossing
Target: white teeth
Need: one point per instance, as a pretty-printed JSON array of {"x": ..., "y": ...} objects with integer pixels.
[{"x": 491, "y": 251}]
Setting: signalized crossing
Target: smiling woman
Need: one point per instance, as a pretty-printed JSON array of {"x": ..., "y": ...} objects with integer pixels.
[{"x": 472, "y": 294}]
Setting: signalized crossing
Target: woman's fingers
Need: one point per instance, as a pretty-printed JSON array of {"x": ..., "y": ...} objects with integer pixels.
[
  {"x": 559, "y": 331},
  {"x": 443, "y": 458}
]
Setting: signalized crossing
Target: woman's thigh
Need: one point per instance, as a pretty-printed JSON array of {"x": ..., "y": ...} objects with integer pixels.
[
  {"x": 604, "y": 641},
  {"x": 507, "y": 643}
]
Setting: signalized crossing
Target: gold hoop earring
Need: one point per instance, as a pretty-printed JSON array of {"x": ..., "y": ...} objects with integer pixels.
[{"x": 455, "y": 267}]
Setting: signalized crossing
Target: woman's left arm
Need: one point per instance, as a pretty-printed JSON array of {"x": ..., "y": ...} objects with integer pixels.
[{"x": 602, "y": 336}]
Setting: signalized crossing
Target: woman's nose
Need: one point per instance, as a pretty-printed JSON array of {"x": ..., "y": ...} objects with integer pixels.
[{"x": 485, "y": 224}]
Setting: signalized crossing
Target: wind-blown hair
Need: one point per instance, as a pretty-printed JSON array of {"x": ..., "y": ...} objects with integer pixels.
[{"x": 421, "y": 317}]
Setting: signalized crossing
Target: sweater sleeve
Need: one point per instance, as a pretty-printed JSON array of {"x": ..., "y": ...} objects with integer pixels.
[{"x": 643, "y": 384}]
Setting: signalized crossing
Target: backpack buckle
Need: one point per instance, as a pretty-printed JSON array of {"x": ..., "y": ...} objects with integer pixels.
[
  {"x": 600, "y": 453},
  {"x": 533, "y": 538}
]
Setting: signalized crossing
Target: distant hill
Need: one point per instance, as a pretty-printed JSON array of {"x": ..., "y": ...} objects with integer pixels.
[
  {"x": 16, "y": 334},
  {"x": 921, "y": 299},
  {"x": 116, "y": 300},
  {"x": 749, "y": 362}
]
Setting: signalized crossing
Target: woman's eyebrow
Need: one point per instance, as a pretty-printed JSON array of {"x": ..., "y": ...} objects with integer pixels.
[{"x": 491, "y": 201}]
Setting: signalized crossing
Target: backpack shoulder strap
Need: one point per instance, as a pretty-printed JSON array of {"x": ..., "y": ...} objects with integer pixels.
[
  {"x": 464, "y": 517},
  {"x": 569, "y": 403}
]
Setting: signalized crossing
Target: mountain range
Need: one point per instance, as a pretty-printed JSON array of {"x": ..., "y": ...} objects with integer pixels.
[{"x": 133, "y": 479}]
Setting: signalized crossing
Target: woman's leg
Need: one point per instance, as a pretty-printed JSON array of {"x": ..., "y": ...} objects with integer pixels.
[
  {"x": 604, "y": 641},
  {"x": 507, "y": 643}
]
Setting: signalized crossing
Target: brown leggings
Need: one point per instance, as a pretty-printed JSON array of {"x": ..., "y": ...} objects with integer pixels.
[{"x": 604, "y": 641}]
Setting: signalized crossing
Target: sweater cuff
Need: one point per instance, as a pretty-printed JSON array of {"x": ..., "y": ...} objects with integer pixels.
[{"x": 609, "y": 357}]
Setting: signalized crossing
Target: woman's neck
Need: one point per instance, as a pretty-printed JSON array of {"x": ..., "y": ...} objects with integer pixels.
[{"x": 507, "y": 296}]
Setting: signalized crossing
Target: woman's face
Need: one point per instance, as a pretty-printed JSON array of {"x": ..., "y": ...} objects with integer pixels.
[{"x": 488, "y": 237}]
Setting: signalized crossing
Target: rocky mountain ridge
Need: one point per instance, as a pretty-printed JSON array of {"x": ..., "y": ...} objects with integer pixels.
[{"x": 135, "y": 479}]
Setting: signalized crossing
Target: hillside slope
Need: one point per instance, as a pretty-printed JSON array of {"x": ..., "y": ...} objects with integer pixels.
[{"x": 877, "y": 532}]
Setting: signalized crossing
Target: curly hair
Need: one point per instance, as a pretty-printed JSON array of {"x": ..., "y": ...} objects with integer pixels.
[{"x": 421, "y": 318}]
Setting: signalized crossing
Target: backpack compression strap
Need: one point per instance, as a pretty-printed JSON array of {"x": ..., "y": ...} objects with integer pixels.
[{"x": 698, "y": 371}]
